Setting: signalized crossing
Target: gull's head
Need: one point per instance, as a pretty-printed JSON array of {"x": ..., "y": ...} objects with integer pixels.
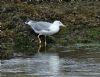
[{"x": 59, "y": 23}]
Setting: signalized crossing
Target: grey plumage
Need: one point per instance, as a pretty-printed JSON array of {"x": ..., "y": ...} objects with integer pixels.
[{"x": 38, "y": 26}]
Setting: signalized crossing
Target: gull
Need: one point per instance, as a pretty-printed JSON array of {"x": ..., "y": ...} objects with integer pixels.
[{"x": 45, "y": 28}]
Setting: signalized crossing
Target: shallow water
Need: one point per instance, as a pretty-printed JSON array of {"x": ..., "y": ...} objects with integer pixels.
[{"x": 78, "y": 61}]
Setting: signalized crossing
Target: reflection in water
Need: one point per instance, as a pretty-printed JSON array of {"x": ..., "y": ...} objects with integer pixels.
[
  {"x": 41, "y": 48},
  {"x": 67, "y": 63},
  {"x": 40, "y": 64},
  {"x": 54, "y": 64}
]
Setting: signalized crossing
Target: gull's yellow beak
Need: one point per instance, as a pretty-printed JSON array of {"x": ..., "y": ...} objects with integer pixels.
[{"x": 62, "y": 24}]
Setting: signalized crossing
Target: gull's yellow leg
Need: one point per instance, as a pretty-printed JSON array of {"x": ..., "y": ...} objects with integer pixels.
[
  {"x": 39, "y": 39},
  {"x": 45, "y": 41},
  {"x": 39, "y": 48}
]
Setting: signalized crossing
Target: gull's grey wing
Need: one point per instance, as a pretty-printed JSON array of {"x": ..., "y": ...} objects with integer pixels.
[{"x": 42, "y": 26}]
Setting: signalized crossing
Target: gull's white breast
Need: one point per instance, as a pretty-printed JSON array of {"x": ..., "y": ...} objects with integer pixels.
[{"x": 52, "y": 30}]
